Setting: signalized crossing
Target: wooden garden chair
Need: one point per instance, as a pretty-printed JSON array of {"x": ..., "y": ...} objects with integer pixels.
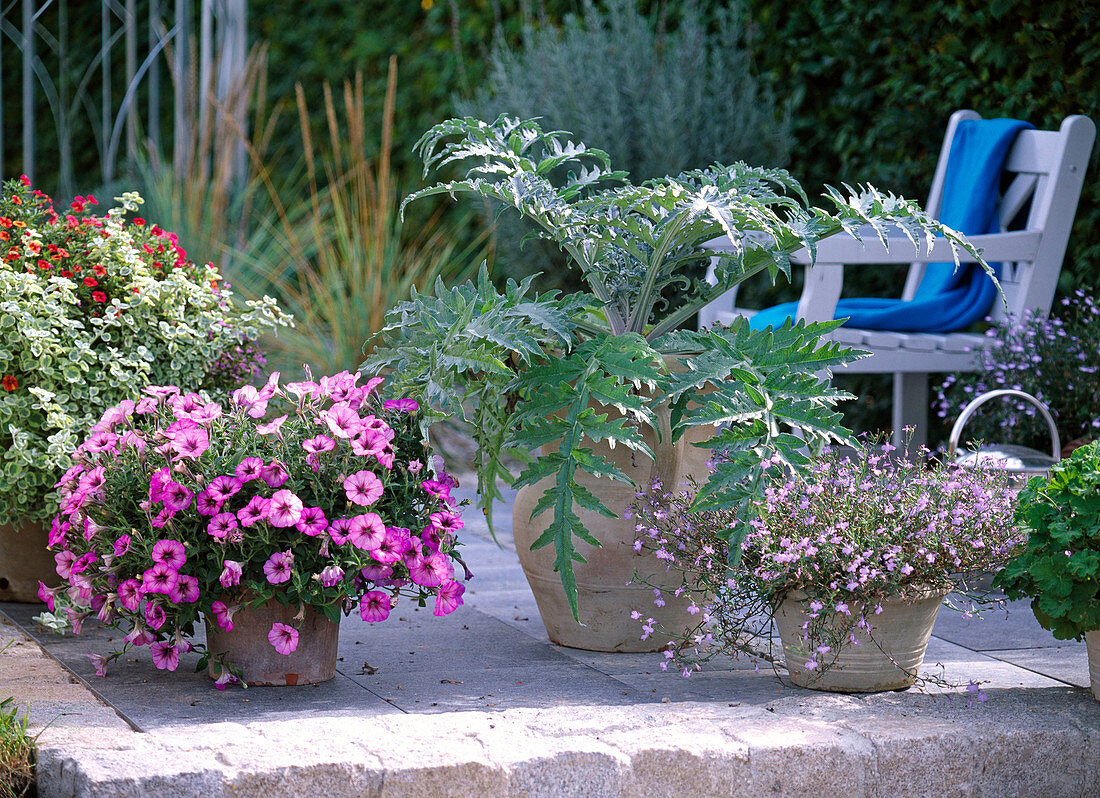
[{"x": 1048, "y": 169}]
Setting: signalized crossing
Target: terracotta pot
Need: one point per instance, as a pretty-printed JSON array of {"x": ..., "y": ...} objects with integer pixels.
[
  {"x": 604, "y": 599},
  {"x": 889, "y": 661},
  {"x": 248, "y": 648},
  {"x": 24, "y": 561},
  {"x": 1092, "y": 645}
]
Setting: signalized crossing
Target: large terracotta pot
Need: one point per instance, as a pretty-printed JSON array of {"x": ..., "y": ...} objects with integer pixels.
[
  {"x": 1092, "y": 645},
  {"x": 604, "y": 598},
  {"x": 248, "y": 648},
  {"x": 889, "y": 659},
  {"x": 24, "y": 561}
]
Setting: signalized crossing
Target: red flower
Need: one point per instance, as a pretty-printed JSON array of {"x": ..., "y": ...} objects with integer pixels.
[
  {"x": 90, "y": 282},
  {"x": 10, "y": 383},
  {"x": 16, "y": 199},
  {"x": 66, "y": 273},
  {"x": 98, "y": 269},
  {"x": 13, "y": 253},
  {"x": 99, "y": 296},
  {"x": 43, "y": 264},
  {"x": 138, "y": 220},
  {"x": 5, "y": 221}
]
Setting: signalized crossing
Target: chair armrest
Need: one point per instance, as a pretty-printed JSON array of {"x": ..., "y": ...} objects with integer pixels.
[{"x": 1013, "y": 246}]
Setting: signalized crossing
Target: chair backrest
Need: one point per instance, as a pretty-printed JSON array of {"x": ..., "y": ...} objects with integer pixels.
[{"x": 1049, "y": 171}]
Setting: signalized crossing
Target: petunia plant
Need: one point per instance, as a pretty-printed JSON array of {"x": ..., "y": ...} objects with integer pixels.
[
  {"x": 93, "y": 308},
  {"x": 564, "y": 372},
  {"x": 319, "y": 493}
]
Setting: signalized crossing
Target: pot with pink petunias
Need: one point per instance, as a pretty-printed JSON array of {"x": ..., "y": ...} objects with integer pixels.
[{"x": 267, "y": 518}]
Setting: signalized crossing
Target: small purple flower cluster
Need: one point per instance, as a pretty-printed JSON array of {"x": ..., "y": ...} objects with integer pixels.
[
  {"x": 239, "y": 362},
  {"x": 177, "y": 508},
  {"x": 850, "y": 532},
  {"x": 1056, "y": 359}
]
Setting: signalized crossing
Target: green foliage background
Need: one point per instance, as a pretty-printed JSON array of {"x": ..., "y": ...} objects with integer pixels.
[{"x": 871, "y": 84}]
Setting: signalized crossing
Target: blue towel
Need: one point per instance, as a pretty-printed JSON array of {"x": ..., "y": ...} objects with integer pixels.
[{"x": 946, "y": 299}]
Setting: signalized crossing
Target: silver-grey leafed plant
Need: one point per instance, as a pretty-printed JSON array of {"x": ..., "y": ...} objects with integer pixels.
[{"x": 527, "y": 370}]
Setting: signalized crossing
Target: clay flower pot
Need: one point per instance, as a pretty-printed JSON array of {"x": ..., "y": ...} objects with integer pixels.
[
  {"x": 247, "y": 646},
  {"x": 887, "y": 659},
  {"x": 24, "y": 561},
  {"x": 604, "y": 597},
  {"x": 1092, "y": 645}
]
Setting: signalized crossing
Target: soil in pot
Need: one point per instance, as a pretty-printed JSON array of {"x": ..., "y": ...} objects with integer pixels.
[
  {"x": 247, "y": 646},
  {"x": 889, "y": 658}
]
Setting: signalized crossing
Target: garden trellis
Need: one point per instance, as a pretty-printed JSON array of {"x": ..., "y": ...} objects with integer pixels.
[{"x": 114, "y": 100}]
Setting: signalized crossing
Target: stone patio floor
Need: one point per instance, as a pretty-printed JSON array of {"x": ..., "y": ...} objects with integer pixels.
[{"x": 480, "y": 703}]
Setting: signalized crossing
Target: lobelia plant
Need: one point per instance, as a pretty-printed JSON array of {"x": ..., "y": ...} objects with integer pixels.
[
  {"x": 847, "y": 533},
  {"x": 1060, "y": 567},
  {"x": 92, "y": 309},
  {"x": 314, "y": 493},
  {"x": 528, "y": 370},
  {"x": 1052, "y": 358}
]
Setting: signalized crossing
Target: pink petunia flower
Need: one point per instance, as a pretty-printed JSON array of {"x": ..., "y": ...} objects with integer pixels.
[
  {"x": 431, "y": 571},
  {"x": 46, "y": 595},
  {"x": 102, "y": 441},
  {"x": 320, "y": 443},
  {"x": 363, "y": 487},
  {"x": 91, "y": 529},
  {"x": 342, "y": 421},
  {"x": 402, "y": 405},
  {"x": 375, "y": 573},
  {"x": 206, "y": 414},
  {"x": 157, "y": 480},
  {"x": 339, "y": 530},
  {"x": 449, "y": 598},
  {"x": 271, "y": 386},
  {"x": 285, "y": 509},
  {"x": 223, "y": 616},
  {"x": 178, "y": 427},
  {"x": 186, "y": 590},
  {"x": 224, "y": 487},
  {"x": 161, "y": 519},
  {"x": 415, "y": 466},
  {"x": 132, "y": 440},
  {"x": 140, "y": 637},
  {"x": 145, "y": 406},
  {"x": 249, "y": 468},
  {"x": 129, "y": 594},
  {"x": 161, "y": 391},
  {"x": 221, "y": 525},
  {"x": 312, "y": 521},
  {"x": 207, "y": 503},
  {"x": 375, "y": 606},
  {"x": 155, "y": 616},
  {"x": 254, "y": 511},
  {"x": 249, "y": 399},
  {"x": 191, "y": 443},
  {"x": 446, "y": 522},
  {"x": 274, "y": 474},
  {"x": 284, "y": 638},
  {"x": 300, "y": 390},
  {"x": 161, "y": 578},
  {"x": 367, "y": 531},
  {"x": 99, "y": 662},
  {"x": 122, "y": 545},
  {"x": 272, "y": 427},
  {"x": 92, "y": 481},
  {"x": 166, "y": 656},
  {"x": 169, "y": 552},
  {"x": 393, "y": 545},
  {"x": 231, "y": 573},
  {"x": 330, "y": 576},
  {"x": 278, "y": 567},
  {"x": 176, "y": 497}
]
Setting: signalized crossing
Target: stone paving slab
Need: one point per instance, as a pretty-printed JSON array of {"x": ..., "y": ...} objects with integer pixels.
[{"x": 480, "y": 704}]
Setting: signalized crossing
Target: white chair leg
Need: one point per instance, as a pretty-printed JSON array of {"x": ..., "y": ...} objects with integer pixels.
[{"x": 910, "y": 409}]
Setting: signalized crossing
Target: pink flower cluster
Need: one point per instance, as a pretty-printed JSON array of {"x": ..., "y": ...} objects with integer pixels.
[{"x": 178, "y": 508}]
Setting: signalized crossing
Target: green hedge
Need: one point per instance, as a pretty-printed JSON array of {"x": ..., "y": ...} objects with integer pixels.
[{"x": 873, "y": 84}]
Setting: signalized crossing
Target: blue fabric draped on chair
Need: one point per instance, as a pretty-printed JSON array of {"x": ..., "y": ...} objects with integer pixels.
[{"x": 947, "y": 298}]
